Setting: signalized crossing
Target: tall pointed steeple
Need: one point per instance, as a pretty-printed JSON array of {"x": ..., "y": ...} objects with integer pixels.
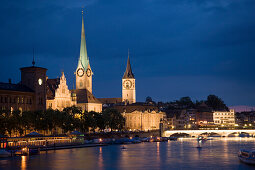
[
  {"x": 128, "y": 73},
  {"x": 83, "y": 59}
]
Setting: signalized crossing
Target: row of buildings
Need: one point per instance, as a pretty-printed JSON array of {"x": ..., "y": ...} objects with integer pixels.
[
  {"x": 199, "y": 119},
  {"x": 36, "y": 91}
]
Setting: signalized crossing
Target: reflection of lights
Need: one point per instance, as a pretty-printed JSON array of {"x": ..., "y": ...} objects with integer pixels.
[{"x": 23, "y": 162}]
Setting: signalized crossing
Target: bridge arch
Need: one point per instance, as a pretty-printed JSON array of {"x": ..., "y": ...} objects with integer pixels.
[
  {"x": 218, "y": 133},
  {"x": 179, "y": 135}
]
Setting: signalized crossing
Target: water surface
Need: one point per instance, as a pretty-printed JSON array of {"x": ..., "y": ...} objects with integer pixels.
[{"x": 181, "y": 154}]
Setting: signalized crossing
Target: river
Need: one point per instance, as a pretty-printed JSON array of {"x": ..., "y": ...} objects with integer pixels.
[{"x": 219, "y": 153}]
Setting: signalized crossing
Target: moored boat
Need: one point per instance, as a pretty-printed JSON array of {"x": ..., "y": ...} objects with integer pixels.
[{"x": 246, "y": 156}]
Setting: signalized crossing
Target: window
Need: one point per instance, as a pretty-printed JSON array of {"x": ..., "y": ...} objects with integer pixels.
[
  {"x": 18, "y": 99},
  {"x": 22, "y": 100}
]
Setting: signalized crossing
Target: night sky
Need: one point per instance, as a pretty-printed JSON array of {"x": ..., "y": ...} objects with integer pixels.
[{"x": 177, "y": 47}]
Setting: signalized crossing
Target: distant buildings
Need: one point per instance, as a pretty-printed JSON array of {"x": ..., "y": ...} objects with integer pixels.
[
  {"x": 224, "y": 118},
  {"x": 199, "y": 118}
]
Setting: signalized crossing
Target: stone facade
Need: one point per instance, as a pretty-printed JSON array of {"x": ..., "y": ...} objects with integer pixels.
[
  {"x": 224, "y": 118},
  {"x": 29, "y": 94},
  {"x": 143, "y": 121},
  {"x": 58, "y": 94},
  {"x": 16, "y": 100},
  {"x": 128, "y": 85}
]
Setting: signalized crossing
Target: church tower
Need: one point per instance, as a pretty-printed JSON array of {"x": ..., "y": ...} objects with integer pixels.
[
  {"x": 128, "y": 85},
  {"x": 83, "y": 72}
]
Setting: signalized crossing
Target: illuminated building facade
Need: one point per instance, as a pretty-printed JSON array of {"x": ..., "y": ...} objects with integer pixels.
[
  {"x": 58, "y": 94},
  {"x": 224, "y": 118},
  {"x": 128, "y": 85},
  {"x": 141, "y": 117}
]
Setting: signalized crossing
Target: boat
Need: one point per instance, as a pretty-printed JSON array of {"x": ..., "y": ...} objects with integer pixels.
[
  {"x": 22, "y": 151},
  {"x": 4, "y": 153},
  {"x": 201, "y": 138},
  {"x": 247, "y": 156}
]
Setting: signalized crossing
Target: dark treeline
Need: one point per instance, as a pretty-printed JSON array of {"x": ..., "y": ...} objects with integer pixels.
[
  {"x": 70, "y": 119},
  {"x": 213, "y": 102}
]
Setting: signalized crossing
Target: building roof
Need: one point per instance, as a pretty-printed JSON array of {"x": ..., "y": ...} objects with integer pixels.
[
  {"x": 33, "y": 67},
  {"x": 84, "y": 96},
  {"x": 51, "y": 87},
  {"x": 83, "y": 59},
  {"x": 110, "y": 100},
  {"x": 14, "y": 87},
  {"x": 128, "y": 73},
  {"x": 135, "y": 107}
]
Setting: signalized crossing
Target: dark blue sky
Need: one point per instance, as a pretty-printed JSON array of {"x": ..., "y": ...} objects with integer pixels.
[{"x": 177, "y": 47}]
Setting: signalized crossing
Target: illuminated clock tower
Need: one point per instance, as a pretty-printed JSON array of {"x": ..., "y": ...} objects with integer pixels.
[
  {"x": 83, "y": 72},
  {"x": 128, "y": 85}
]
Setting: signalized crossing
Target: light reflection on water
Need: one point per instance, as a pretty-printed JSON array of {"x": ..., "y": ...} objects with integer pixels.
[{"x": 182, "y": 154}]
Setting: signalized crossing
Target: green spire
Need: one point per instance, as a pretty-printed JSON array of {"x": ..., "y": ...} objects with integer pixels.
[{"x": 83, "y": 60}]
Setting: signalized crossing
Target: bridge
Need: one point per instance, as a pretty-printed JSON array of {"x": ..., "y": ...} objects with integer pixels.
[{"x": 222, "y": 133}]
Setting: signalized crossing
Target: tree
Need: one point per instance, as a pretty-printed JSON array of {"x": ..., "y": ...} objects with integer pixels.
[
  {"x": 148, "y": 99},
  {"x": 185, "y": 102},
  {"x": 90, "y": 120},
  {"x": 216, "y": 103},
  {"x": 100, "y": 121},
  {"x": 114, "y": 119}
]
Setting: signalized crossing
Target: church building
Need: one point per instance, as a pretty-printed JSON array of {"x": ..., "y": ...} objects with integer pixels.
[
  {"x": 83, "y": 92},
  {"x": 58, "y": 94}
]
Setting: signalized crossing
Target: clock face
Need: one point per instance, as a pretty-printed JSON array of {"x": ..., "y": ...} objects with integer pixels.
[
  {"x": 40, "y": 81},
  {"x": 127, "y": 84},
  {"x": 88, "y": 72},
  {"x": 80, "y": 72}
]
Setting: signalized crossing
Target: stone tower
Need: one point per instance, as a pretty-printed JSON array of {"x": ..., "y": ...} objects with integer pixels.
[
  {"x": 83, "y": 72},
  {"x": 35, "y": 78},
  {"x": 128, "y": 85}
]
